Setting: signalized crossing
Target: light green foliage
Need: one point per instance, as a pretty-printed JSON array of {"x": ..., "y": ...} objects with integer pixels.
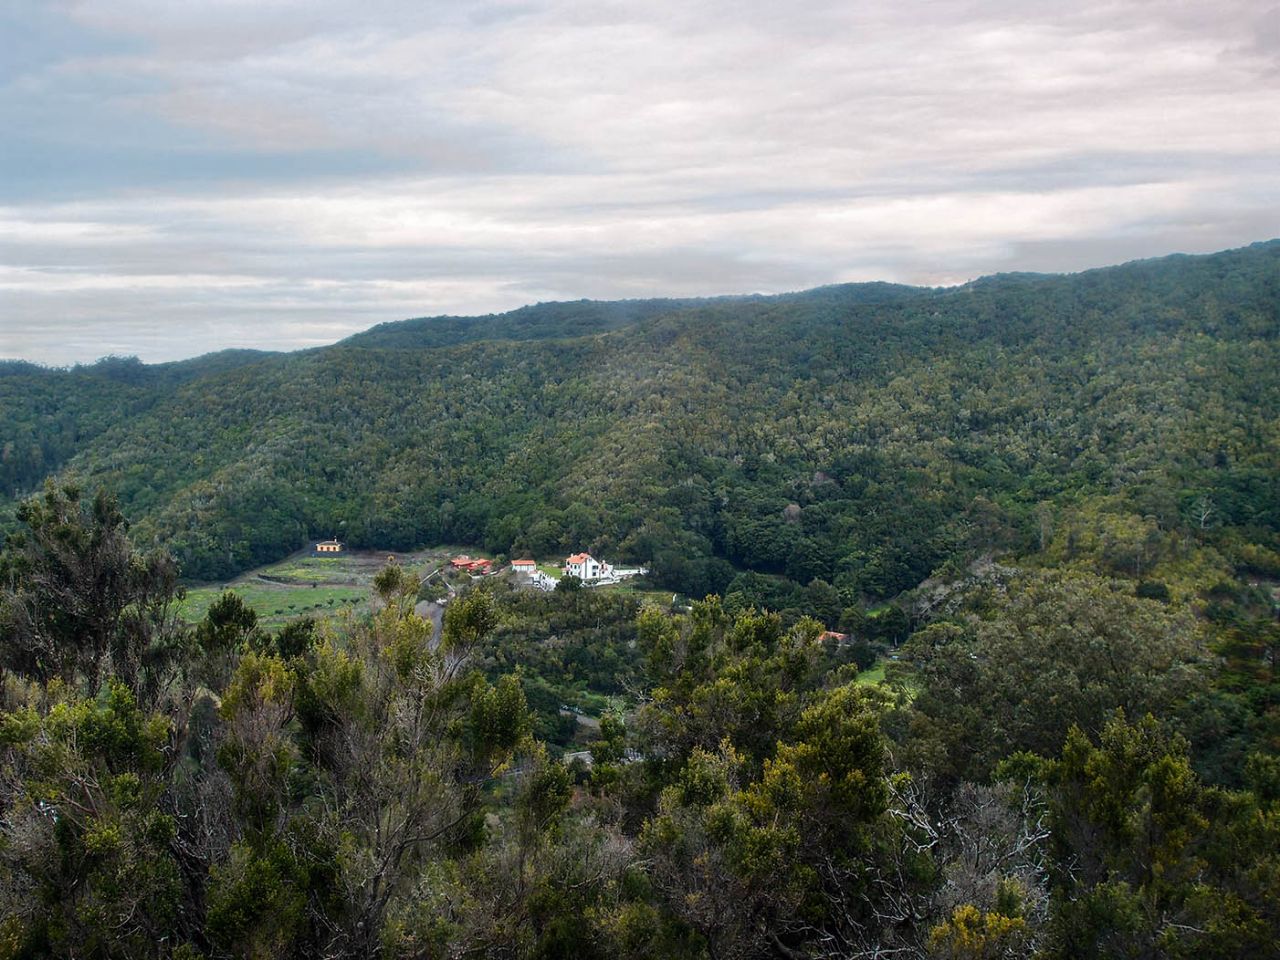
[
  {"x": 775, "y": 791},
  {"x": 468, "y": 620},
  {"x": 499, "y": 718},
  {"x": 88, "y": 868},
  {"x": 972, "y": 934},
  {"x": 395, "y": 585},
  {"x": 258, "y": 753}
]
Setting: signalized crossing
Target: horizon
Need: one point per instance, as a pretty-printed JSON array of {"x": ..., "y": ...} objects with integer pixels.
[{"x": 269, "y": 351}]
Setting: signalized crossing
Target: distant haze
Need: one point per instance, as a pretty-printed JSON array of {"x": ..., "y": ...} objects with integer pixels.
[{"x": 177, "y": 178}]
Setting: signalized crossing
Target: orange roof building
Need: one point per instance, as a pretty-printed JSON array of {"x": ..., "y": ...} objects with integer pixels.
[{"x": 586, "y": 567}]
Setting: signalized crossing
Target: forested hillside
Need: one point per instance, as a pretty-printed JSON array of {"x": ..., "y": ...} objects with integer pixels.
[
  {"x": 1043, "y": 514},
  {"x": 854, "y": 438}
]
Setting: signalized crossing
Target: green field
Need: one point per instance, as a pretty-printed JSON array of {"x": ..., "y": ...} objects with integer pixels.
[
  {"x": 657, "y": 598},
  {"x": 276, "y": 605},
  {"x": 298, "y": 586},
  {"x": 313, "y": 570},
  {"x": 873, "y": 673}
]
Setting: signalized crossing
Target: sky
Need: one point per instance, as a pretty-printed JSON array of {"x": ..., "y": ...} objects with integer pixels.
[{"x": 177, "y": 178}]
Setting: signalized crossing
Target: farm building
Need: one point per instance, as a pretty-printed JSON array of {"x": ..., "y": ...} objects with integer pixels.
[
  {"x": 327, "y": 548},
  {"x": 471, "y": 564}
]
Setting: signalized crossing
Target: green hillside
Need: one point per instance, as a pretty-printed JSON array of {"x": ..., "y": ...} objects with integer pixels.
[
  {"x": 861, "y": 436},
  {"x": 1042, "y": 515}
]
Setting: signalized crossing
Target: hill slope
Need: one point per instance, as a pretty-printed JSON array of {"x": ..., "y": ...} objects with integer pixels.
[{"x": 861, "y": 436}]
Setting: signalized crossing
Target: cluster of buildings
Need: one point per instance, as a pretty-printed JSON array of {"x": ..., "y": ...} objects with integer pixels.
[
  {"x": 472, "y": 565},
  {"x": 581, "y": 565}
]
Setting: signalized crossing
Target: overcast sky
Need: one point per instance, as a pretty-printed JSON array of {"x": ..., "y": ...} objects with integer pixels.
[{"x": 182, "y": 177}]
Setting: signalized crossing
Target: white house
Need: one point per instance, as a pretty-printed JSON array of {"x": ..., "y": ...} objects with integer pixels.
[
  {"x": 525, "y": 568},
  {"x": 587, "y": 568}
]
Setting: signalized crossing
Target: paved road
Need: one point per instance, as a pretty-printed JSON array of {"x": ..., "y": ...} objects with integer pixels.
[{"x": 430, "y": 610}]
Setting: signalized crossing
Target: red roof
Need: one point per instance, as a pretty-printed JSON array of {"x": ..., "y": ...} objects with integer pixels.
[
  {"x": 523, "y": 563},
  {"x": 579, "y": 558}
]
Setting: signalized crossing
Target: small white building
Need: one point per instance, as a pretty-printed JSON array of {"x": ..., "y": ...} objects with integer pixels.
[
  {"x": 587, "y": 568},
  {"x": 525, "y": 568}
]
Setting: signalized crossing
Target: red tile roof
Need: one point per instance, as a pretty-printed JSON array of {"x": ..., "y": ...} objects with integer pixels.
[{"x": 579, "y": 558}]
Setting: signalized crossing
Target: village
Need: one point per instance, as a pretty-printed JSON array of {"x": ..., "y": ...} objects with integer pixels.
[
  {"x": 584, "y": 567},
  {"x": 330, "y": 575}
]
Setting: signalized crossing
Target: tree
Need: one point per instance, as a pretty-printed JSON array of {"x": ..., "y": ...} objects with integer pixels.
[
  {"x": 1148, "y": 861},
  {"x": 89, "y": 866},
  {"x": 78, "y": 600},
  {"x": 767, "y": 863},
  {"x": 1062, "y": 650}
]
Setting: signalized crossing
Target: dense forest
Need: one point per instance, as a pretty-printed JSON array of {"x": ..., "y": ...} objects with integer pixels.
[
  {"x": 969, "y": 649},
  {"x": 1059, "y": 765},
  {"x": 817, "y": 451}
]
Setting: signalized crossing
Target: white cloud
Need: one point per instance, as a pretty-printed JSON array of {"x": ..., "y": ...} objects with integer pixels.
[{"x": 567, "y": 149}]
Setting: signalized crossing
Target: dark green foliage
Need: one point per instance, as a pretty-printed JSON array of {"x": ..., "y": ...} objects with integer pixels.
[
  {"x": 571, "y": 650},
  {"x": 75, "y": 595},
  {"x": 229, "y": 625},
  {"x": 1152, "y": 863},
  {"x": 858, "y": 438},
  {"x": 1059, "y": 651},
  {"x": 1049, "y": 502}
]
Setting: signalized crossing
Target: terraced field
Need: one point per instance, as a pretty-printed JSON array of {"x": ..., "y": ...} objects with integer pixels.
[{"x": 303, "y": 585}]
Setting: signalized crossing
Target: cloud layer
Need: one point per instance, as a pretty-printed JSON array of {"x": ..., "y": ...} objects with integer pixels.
[{"x": 187, "y": 177}]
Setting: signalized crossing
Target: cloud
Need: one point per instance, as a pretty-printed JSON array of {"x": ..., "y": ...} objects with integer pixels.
[{"x": 195, "y": 176}]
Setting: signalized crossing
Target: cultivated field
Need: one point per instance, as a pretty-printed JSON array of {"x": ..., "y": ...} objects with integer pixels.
[{"x": 303, "y": 585}]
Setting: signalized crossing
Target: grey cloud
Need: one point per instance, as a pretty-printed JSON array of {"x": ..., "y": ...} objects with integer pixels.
[{"x": 285, "y": 172}]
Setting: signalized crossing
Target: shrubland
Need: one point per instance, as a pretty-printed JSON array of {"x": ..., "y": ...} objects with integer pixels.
[{"x": 1026, "y": 783}]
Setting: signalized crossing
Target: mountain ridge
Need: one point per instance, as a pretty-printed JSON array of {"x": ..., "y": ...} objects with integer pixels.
[{"x": 683, "y": 436}]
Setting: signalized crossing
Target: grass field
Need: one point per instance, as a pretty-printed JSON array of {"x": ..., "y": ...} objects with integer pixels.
[
  {"x": 276, "y": 604},
  {"x": 314, "y": 570},
  {"x": 298, "y": 586},
  {"x": 873, "y": 673},
  {"x": 657, "y": 598}
]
